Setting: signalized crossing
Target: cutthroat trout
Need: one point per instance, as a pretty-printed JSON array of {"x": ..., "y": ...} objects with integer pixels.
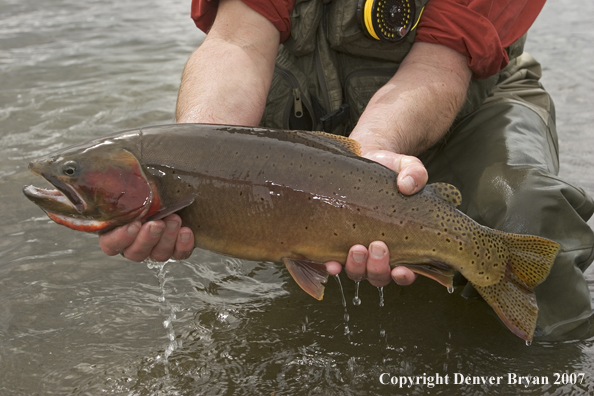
[{"x": 303, "y": 198}]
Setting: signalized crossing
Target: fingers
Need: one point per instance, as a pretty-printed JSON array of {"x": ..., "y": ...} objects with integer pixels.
[
  {"x": 116, "y": 241},
  {"x": 403, "y": 276},
  {"x": 159, "y": 240},
  {"x": 165, "y": 246},
  {"x": 412, "y": 175},
  {"x": 184, "y": 246},
  {"x": 147, "y": 239},
  {"x": 378, "y": 264},
  {"x": 372, "y": 264},
  {"x": 333, "y": 267}
]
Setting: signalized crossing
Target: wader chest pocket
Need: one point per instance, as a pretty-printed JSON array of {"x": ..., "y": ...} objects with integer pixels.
[{"x": 288, "y": 105}]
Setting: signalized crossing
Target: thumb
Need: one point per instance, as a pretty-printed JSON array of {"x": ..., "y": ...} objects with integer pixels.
[{"x": 412, "y": 175}]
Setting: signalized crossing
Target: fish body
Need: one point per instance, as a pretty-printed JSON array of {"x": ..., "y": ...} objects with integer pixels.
[{"x": 299, "y": 197}]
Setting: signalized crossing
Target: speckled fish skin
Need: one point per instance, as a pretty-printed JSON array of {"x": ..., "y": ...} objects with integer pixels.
[{"x": 304, "y": 197}]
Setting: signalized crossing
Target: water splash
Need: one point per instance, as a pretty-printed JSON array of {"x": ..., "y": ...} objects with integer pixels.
[
  {"x": 341, "y": 290},
  {"x": 168, "y": 322},
  {"x": 356, "y": 299},
  {"x": 347, "y": 331},
  {"x": 382, "y": 332},
  {"x": 381, "y": 296}
]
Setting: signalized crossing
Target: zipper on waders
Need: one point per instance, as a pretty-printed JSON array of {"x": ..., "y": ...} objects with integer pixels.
[
  {"x": 299, "y": 101},
  {"x": 297, "y": 104}
]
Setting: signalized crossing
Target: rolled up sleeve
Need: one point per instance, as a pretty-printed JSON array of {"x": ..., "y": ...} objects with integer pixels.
[
  {"x": 478, "y": 29},
  {"x": 276, "y": 11}
]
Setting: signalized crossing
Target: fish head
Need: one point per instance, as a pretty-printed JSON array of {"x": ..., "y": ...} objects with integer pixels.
[{"x": 97, "y": 186}]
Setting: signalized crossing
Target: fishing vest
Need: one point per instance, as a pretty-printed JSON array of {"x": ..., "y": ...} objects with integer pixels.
[{"x": 330, "y": 67}]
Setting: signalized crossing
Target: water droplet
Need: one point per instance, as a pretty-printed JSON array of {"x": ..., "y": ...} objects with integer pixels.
[
  {"x": 381, "y": 295},
  {"x": 356, "y": 299},
  {"x": 451, "y": 289},
  {"x": 382, "y": 333},
  {"x": 341, "y": 290},
  {"x": 528, "y": 343},
  {"x": 347, "y": 331}
]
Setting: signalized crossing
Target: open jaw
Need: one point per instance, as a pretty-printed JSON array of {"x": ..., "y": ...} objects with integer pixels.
[
  {"x": 64, "y": 199},
  {"x": 64, "y": 205}
]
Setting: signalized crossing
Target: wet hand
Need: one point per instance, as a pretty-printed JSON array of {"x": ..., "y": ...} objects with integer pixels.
[
  {"x": 412, "y": 175},
  {"x": 160, "y": 240},
  {"x": 373, "y": 264}
]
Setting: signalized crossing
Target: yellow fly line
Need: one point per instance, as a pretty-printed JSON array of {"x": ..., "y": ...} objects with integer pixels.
[
  {"x": 418, "y": 19},
  {"x": 368, "y": 24}
]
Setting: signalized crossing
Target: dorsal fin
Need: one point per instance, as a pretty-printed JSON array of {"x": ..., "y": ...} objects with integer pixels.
[
  {"x": 341, "y": 142},
  {"x": 327, "y": 141},
  {"x": 446, "y": 192},
  {"x": 322, "y": 140}
]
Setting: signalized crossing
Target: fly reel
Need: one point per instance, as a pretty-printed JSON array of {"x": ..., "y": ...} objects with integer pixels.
[{"x": 386, "y": 20}]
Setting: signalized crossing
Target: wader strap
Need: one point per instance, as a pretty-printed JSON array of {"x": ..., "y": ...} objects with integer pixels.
[{"x": 335, "y": 118}]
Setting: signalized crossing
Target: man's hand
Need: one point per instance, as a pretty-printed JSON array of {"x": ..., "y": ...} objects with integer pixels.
[
  {"x": 235, "y": 62},
  {"x": 408, "y": 115},
  {"x": 373, "y": 264},
  {"x": 159, "y": 240}
]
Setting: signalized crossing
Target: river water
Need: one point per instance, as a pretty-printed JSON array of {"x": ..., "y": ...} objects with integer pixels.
[{"x": 74, "y": 321}]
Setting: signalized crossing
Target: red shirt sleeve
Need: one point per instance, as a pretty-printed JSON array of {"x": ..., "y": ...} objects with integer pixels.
[
  {"x": 277, "y": 12},
  {"x": 478, "y": 29}
]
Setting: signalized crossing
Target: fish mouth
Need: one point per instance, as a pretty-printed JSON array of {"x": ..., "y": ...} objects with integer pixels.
[{"x": 64, "y": 199}]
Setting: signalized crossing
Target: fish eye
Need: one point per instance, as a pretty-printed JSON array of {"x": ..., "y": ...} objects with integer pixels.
[{"x": 70, "y": 168}]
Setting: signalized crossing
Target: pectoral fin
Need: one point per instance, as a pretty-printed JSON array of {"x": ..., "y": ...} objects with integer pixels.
[
  {"x": 309, "y": 275},
  {"x": 179, "y": 205}
]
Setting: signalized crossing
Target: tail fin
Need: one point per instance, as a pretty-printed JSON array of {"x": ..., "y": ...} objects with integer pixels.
[{"x": 513, "y": 299}]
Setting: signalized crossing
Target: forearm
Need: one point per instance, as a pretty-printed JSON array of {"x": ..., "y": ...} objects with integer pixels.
[
  {"x": 226, "y": 80},
  {"x": 417, "y": 106}
]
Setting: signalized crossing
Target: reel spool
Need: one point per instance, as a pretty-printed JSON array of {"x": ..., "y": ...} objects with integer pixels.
[{"x": 386, "y": 20}]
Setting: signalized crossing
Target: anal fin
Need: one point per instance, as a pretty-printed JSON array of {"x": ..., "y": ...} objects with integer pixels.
[
  {"x": 309, "y": 275},
  {"x": 444, "y": 276}
]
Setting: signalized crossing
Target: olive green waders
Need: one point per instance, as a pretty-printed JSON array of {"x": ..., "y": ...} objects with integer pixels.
[{"x": 504, "y": 159}]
